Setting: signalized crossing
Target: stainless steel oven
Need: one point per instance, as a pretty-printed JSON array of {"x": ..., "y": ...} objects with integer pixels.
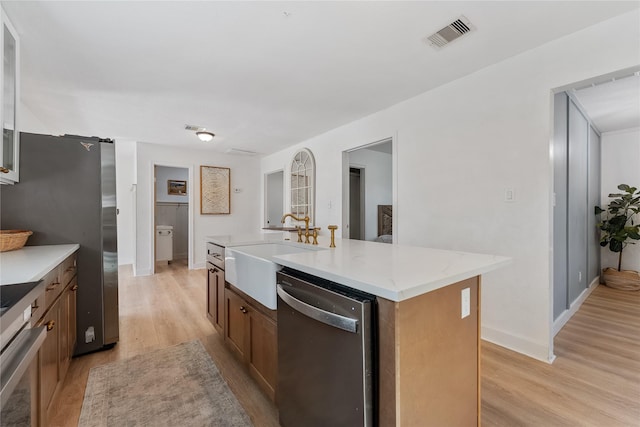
[{"x": 19, "y": 344}]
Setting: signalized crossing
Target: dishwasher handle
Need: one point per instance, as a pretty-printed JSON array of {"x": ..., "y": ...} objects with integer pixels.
[{"x": 326, "y": 317}]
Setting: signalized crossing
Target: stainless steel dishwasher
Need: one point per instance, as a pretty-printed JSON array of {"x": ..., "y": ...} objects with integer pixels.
[{"x": 326, "y": 353}]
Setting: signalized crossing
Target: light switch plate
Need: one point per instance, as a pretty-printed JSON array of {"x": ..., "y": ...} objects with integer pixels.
[{"x": 466, "y": 303}]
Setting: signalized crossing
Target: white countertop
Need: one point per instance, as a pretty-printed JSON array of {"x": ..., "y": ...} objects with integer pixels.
[
  {"x": 32, "y": 263},
  {"x": 394, "y": 272}
]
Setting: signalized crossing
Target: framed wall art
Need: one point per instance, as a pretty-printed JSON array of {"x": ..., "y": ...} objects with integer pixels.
[
  {"x": 215, "y": 190},
  {"x": 176, "y": 187}
]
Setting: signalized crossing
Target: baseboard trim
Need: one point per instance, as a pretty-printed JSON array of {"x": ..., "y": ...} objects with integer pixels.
[
  {"x": 518, "y": 344},
  {"x": 564, "y": 317},
  {"x": 142, "y": 272}
]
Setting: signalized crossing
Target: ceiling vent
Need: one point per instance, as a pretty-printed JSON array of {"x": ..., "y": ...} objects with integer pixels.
[
  {"x": 240, "y": 152},
  {"x": 451, "y": 32},
  {"x": 194, "y": 128}
]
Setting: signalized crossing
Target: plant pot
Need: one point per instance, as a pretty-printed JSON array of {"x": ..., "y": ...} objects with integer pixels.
[{"x": 627, "y": 280}]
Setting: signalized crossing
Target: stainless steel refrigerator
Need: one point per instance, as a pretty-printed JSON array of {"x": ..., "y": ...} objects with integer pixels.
[{"x": 67, "y": 194}]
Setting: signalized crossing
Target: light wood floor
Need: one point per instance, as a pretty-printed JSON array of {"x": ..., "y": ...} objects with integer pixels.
[{"x": 595, "y": 380}]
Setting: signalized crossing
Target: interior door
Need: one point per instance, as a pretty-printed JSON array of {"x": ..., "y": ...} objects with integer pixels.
[{"x": 577, "y": 202}]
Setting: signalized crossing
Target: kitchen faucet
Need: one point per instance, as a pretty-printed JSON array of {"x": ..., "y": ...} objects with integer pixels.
[{"x": 306, "y": 224}]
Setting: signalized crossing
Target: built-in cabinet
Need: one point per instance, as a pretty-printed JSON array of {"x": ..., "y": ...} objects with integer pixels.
[
  {"x": 250, "y": 332},
  {"x": 10, "y": 87},
  {"x": 576, "y": 181},
  {"x": 55, "y": 309},
  {"x": 215, "y": 296},
  {"x": 248, "y": 327}
]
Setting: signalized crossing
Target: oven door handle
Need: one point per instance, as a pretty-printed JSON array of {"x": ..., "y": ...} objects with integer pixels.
[
  {"x": 337, "y": 321},
  {"x": 16, "y": 358}
]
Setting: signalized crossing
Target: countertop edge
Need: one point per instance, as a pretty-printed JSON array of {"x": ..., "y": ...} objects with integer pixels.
[
  {"x": 400, "y": 295},
  {"x": 53, "y": 255}
]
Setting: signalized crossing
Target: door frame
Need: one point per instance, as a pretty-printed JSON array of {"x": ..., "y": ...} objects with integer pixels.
[
  {"x": 152, "y": 213},
  {"x": 394, "y": 184}
]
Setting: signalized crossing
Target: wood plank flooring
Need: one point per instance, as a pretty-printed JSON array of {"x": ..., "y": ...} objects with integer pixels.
[{"x": 595, "y": 380}]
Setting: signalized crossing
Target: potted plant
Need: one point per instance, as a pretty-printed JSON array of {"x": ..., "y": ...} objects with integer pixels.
[{"x": 618, "y": 230}]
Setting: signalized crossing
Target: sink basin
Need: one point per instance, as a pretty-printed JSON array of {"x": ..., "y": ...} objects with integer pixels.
[{"x": 252, "y": 269}]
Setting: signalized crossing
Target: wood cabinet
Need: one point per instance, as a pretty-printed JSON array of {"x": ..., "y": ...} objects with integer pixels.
[
  {"x": 58, "y": 303},
  {"x": 250, "y": 332},
  {"x": 215, "y": 296},
  {"x": 48, "y": 367},
  {"x": 10, "y": 89}
]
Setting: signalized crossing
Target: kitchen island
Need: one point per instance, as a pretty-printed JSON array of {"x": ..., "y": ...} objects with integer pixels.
[{"x": 428, "y": 321}]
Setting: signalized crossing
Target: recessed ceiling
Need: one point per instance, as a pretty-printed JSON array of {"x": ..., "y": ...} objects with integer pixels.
[
  {"x": 612, "y": 105},
  {"x": 259, "y": 78}
]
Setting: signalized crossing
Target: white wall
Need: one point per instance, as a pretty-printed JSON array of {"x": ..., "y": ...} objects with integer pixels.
[
  {"x": 459, "y": 147},
  {"x": 165, "y": 173},
  {"x": 125, "y": 199},
  {"x": 378, "y": 185},
  {"x": 244, "y": 217},
  {"x": 620, "y": 165}
]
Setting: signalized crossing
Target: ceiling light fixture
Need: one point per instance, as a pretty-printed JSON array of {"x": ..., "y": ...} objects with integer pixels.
[{"x": 205, "y": 136}]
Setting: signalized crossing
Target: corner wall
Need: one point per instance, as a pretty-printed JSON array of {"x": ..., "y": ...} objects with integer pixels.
[{"x": 459, "y": 147}]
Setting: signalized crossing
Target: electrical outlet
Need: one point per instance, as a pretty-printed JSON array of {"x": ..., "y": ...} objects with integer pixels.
[
  {"x": 465, "y": 303},
  {"x": 89, "y": 335},
  {"x": 509, "y": 195}
]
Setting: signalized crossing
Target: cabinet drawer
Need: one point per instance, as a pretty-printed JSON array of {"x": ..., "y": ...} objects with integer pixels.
[
  {"x": 52, "y": 286},
  {"x": 215, "y": 255},
  {"x": 68, "y": 269}
]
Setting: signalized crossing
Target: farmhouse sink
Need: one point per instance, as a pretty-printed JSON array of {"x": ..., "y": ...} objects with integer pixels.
[{"x": 251, "y": 269}]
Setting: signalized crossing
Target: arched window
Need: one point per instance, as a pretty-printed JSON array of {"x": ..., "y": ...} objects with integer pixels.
[{"x": 302, "y": 184}]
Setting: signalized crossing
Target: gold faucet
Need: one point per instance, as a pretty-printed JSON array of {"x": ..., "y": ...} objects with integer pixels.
[{"x": 306, "y": 224}]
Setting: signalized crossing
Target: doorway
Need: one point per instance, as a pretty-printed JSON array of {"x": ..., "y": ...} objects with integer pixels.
[
  {"x": 171, "y": 214},
  {"x": 592, "y": 120},
  {"x": 356, "y": 203},
  {"x": 368, "y": 186},
  {"x": 274, "y": 198}
]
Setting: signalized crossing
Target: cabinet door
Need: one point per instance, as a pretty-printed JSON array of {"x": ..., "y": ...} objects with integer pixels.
[
  {"x": 48, "y": 369},
  {"x": 218, "y": 315},
  {"x": 73, "y": 298},
  {"x": 63, "y": 334},
  {"x": 262, "y": 354},
  {"x": 235, "y": 323},
  {"x": 211, "y": 294},
  {"x": 10, "y": 88}
]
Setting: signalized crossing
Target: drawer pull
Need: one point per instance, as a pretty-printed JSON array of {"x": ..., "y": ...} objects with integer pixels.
[
  {"x": 74, "y": 288},
  {"x": 242, "y": 309},
  {"x": 50, "y": 325},
  {"x": 52, "y": 286}
]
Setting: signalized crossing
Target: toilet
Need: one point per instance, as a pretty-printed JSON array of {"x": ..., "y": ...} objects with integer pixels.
[{"x": 164, "y": 243}]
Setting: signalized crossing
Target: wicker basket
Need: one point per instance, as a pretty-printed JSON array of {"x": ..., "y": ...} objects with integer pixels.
[
  {"x": 627, "y": 280},
  {"x": 11, "y": 240}
]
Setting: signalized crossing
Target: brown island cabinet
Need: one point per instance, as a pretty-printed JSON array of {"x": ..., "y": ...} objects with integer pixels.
[{"x": 428, "y": 350}]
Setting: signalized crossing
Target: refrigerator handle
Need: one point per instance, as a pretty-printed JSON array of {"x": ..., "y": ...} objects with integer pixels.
[{"x": 328, "y": 318}]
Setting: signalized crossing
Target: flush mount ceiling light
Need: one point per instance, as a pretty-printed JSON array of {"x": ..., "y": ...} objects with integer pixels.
[{"x": 205, "y": 136}]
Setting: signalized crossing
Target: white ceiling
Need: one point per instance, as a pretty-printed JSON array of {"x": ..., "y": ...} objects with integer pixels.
[
  {"x": 260, "y": 75},
  {"x": 614, "y": 104}
]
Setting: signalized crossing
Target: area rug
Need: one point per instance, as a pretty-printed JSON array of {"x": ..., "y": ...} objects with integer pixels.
[{"x": 175, "y": 386}]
